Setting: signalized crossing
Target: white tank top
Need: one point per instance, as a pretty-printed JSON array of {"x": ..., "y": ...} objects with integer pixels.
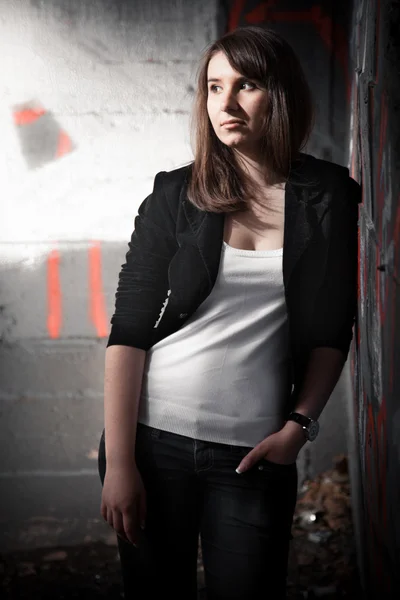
[{"x": 224, "y": 376}]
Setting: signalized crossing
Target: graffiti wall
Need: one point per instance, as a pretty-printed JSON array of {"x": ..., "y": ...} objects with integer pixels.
[{"x": 375, "y": 158}]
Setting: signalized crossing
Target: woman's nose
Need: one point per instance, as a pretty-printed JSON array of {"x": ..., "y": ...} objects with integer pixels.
[{"x": 228, "y": 100}]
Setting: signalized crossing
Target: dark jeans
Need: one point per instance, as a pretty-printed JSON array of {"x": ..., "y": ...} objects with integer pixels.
[{"x": 192, "y": 488}]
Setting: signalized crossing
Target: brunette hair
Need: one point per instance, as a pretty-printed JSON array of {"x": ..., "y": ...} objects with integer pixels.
[{"x": 217, "y": 182}]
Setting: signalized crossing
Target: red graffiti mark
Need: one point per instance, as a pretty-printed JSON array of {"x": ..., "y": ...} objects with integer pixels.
[
  {"x": 359, "y": 267},
  {"x": 364, "y": 270},
  {"x": 370, "y": 474},
  {"x": 381, "y": 190},
  {"x": 28, "y": 116},
  {"x": 260, "y": 13},
  {"x": 333, "y": 35},
  {"x": 357, "y": 387},
  {"x": 359, "y": 256},
  {"x": 396, "y": 235},
  {"x": 382, "y": 136},
  {"x": 363, "y": 251},
  {"x": 382, "y": 444},
  {"x": 64, "y": 145},
  {"x": 96, "y": 298},
  {"x": 234, "y": 16},
  {"x": 376, "y": 487},
  {"x": 394, "y": 328},
  {"x": 378, "y": 282},
  {"x": 53, "y": 295}
]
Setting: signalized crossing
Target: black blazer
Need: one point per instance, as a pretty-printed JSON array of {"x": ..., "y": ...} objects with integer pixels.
[{"x": 175, "y": 249}]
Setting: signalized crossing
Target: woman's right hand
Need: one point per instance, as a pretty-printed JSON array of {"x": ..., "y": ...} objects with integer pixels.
[{"x": 123, "y": 501}]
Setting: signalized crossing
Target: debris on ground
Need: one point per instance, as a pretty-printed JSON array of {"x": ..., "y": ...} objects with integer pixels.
[{"x": 322, "y": 561}]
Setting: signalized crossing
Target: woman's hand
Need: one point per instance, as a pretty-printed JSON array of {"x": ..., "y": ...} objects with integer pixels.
[
  {"x": 123, "y": 501},
  {"x": 281, "y": 447}
]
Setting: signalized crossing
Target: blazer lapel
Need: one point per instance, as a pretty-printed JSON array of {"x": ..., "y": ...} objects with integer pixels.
[
  {"x": 208, "y": 233},
  {"x": 303, "y": 212},
  {"x": 302, "y": 216}
]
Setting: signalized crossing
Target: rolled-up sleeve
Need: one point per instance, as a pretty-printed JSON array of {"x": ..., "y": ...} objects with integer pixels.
[
  {"x": 143, "y": 278},
  {"x": 336, "y": 303}
]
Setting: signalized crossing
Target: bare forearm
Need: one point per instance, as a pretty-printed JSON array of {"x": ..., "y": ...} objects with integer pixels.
[
  {"x": 123, "y": 376},
  {"x": 324, "y": 369},
  {"x": 323, "y": 372}
]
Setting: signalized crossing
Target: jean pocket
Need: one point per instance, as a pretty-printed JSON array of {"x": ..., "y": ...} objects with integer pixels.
[{"x": 268, "y": 464}]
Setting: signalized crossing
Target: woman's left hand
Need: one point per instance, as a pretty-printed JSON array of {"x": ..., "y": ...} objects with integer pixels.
[{"x": 281, "y": 447}]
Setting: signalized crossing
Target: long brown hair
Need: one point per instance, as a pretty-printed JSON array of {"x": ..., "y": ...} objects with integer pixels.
[{"x": 217, "y": 182}]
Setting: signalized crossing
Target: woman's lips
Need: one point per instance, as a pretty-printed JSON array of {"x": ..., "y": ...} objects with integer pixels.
[{"x": 232, "y": 125}]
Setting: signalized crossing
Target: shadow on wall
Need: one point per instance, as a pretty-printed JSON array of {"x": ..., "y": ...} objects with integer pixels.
[{"x": 324, "y": 58}]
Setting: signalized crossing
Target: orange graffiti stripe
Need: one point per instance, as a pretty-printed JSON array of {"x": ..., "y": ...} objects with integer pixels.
[
  {"x": 53, "y": 295},
  {"x": 64, "y": 144},
  {"x": 96, "y": 298},
  {"x": 28, "y": 116}
]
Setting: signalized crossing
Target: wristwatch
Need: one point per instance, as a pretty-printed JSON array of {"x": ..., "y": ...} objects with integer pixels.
[{"x": 310, "y": 427}]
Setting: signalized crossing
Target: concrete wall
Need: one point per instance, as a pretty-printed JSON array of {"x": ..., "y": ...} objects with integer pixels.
[
  {"x": 375, "y": 162},
  {"x": 95, "y": 100}
]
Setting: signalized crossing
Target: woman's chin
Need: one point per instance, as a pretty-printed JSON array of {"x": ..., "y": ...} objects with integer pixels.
[{"x": 234, "y": 141}]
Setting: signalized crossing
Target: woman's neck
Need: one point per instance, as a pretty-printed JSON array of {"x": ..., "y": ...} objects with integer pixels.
[{"x": 257, "y": 171}]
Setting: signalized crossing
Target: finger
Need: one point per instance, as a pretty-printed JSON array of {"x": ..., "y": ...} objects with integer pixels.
[
  {"x": 130, "y": 519},
  {"x": 103, "y": 510},
  {"x": 110, "y": 517},
  {"x": 249, "y": 461},
  {"x": 119, "y": 525}
]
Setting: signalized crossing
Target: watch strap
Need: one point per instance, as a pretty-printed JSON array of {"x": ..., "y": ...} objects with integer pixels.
[{"x": 300, "y": 419}]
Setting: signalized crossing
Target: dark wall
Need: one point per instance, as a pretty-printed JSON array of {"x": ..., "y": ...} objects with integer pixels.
[
  {"x": 318, "y": 32},
  {"x": 375, "y": 162}
]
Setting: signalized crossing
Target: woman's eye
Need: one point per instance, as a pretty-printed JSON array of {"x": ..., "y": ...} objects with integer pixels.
[{"x": 252, "y": 85}]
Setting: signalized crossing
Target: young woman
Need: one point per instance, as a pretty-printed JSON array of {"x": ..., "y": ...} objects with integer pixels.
[{"x": 233, "y": 320}]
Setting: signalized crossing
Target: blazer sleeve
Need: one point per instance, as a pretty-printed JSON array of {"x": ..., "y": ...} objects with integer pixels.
[
  {"x": 336, "y": 302},
  {"x": 143, "y": 278}
]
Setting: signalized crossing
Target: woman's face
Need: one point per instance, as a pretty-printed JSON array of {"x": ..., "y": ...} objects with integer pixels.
[{"x": 233, "y": 97}]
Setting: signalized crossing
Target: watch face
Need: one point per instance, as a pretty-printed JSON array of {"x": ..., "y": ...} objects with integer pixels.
[{"x": 313, "y": 431}]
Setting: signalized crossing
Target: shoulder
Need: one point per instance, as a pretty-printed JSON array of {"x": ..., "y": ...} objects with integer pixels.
[
  {"x": 173, "y": 180},
  {"x": 328, "y": 176},
  {"x": 167, "y": 189}
]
